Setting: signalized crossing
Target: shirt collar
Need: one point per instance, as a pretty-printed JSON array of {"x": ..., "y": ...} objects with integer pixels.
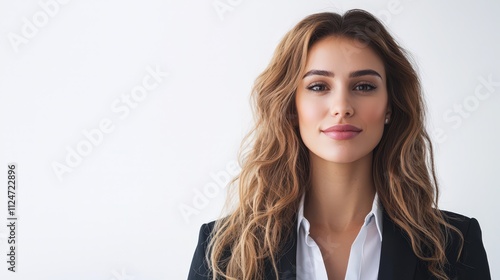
[
  {"x": 300, "y": 214},
  {"x": 375, "y": 213}
]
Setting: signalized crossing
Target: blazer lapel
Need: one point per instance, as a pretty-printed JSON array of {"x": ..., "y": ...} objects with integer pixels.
[
  {"x": 397, "y": 260},
  {"x": 287, "y": 263}
]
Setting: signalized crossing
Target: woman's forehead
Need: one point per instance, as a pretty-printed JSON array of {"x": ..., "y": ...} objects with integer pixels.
[{"x": 341, "y": 54}]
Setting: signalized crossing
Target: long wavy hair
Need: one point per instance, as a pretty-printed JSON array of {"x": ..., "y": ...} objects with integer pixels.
[{"x": 275, "y": 162}]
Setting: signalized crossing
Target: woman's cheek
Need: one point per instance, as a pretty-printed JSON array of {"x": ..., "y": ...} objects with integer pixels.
[
  {"x": 309, "y": 112},
  {"x": 374, "y": 113}
]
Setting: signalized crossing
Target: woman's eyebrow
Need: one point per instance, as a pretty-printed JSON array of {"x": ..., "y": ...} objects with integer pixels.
[
  {"x": 354, "y": 74},
  {"x": 319, "y": 73},
  {"x": 364, "y": 72}
]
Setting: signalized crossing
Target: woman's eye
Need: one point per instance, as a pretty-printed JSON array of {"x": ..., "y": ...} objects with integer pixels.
[
  {"x": 365, "y": 87},
  {"x": 317, "y": 87}
]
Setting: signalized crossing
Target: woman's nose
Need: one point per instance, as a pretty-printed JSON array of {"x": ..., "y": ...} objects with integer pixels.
[{"x": 340, "y": 103}]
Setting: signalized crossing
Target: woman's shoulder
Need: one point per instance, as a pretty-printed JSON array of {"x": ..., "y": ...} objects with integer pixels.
[
  {"x": 467, "y": 253},
  {"x": 461, "y": 222},
  {"x": 199, "y": 267},
  {"x": 467, "y": 226},
  {"x": 207, "y": 228}
]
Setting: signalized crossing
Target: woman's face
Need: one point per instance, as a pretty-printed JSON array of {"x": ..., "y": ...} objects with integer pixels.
[{"x": 344, "y": 83}]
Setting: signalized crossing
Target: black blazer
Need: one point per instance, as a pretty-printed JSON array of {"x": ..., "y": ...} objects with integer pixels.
[{"x": 397, "y": 260}]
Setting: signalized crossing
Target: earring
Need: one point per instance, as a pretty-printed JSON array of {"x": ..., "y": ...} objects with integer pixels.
[{"x": 387, "y": 121}]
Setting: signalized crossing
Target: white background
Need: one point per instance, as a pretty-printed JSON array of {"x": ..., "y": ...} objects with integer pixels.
[{"x": 117, "y": 214}]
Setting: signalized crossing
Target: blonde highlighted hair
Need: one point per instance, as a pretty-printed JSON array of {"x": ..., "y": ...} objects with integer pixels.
[{"x": 275, "y": 167}]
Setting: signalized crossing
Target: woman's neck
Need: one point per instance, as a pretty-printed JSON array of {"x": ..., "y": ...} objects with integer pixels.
[{"x": 341, "y": 195}]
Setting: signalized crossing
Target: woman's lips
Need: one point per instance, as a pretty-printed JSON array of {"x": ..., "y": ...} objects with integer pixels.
[{"x": 342, "y": 132}]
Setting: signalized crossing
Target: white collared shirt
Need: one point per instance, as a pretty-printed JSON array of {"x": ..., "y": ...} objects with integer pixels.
[{"x": 364, "y": 258}]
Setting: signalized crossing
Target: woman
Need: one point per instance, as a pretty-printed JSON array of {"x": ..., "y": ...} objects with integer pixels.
[{"x": 339, "y": 182}]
